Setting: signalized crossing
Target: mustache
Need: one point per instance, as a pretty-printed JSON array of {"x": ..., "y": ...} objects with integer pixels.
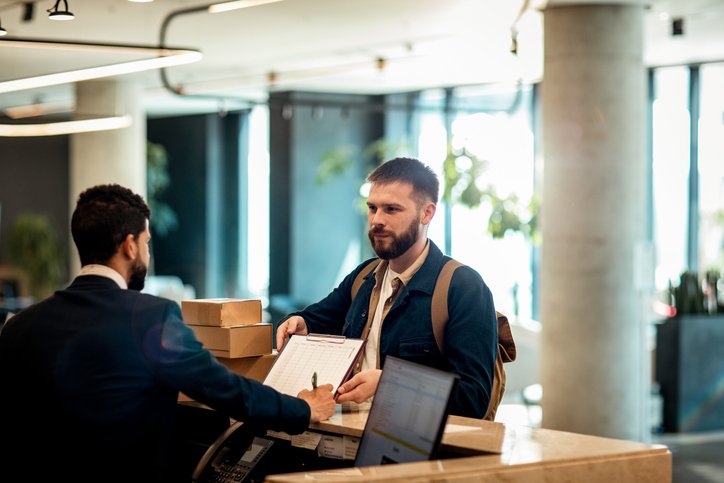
[{"x": 377, "y": 230}]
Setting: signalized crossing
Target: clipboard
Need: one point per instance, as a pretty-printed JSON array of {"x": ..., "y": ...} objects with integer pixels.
[{"x": 332, "y": 357}]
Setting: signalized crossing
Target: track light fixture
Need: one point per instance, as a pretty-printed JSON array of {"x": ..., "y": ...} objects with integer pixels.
[{"x": 56, "y": 14}]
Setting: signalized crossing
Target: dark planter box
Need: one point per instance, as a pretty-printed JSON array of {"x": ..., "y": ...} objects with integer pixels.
[{"x": 690, "y": 371}]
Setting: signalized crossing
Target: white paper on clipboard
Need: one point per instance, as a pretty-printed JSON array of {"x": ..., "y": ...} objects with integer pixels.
[{"x": 332, "y": 357}]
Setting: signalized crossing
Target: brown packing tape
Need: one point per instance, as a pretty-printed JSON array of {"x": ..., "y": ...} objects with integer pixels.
[
  {"x": 209, "y": 313},
  {"x": 190, "y": 312}
]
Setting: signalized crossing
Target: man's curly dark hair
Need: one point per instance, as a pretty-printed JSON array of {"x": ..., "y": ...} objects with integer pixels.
[{"x": 103, "y": 217}]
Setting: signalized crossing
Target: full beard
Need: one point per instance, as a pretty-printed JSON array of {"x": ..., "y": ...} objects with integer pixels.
[
  {"x": 397, "y": 244},
  {"x": 138, "y": 277}
]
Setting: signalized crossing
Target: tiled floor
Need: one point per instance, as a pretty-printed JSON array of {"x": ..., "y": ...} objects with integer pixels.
[{"x": 697, "y": 457}]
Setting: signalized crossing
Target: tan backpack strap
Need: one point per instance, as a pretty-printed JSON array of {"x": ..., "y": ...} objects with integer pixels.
[
  {"x": 506, "y": 344},
  {"x": 506, "y": 353},
  {"x": 360, "y": 278},
  {"x": 438, "y": 307},
  {"x": 498, "y": 388}
]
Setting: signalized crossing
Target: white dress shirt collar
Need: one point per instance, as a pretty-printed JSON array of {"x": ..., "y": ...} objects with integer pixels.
[{"x": 104, "y": 271}]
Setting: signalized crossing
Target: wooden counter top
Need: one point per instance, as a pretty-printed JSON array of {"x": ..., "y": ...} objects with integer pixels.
[{"x": 506, "y": 453}]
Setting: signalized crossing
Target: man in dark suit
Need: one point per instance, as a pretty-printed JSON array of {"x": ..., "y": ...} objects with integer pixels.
[{"x": 89, "y": 377}]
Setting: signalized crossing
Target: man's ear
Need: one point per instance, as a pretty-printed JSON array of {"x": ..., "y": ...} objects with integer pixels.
[
  {"x": 428, "y": 211},
  {"x": 129, "y": 248}
]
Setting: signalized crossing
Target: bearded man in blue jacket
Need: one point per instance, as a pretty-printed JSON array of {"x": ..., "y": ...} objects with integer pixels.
[
  {"x": 90, "y": 376},
  {"x": 392, "y": 309}
]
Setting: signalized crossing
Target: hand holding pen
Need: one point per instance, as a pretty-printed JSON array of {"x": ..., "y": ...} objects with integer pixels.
[{"x": 320, "y": 399}]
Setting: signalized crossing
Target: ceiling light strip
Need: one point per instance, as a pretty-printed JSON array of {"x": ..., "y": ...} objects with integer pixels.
[
  {"x": 235, "y": 5},
  {"x": 65, "y": 127},
  {"x": 185, "y": 57},
  {"x": 38, "y": 109}
]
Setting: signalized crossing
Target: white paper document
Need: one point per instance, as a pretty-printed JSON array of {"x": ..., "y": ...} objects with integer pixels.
[{"x": 330, "y": 357}]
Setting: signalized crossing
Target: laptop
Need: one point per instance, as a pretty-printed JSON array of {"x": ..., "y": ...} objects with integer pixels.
[{"x": 408, "y": 414}]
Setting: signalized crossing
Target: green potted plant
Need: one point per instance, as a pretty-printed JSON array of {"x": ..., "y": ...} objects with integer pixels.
[
  {"x": 688, "y": 348},
  {"x": 35, "y": 248},
  {"x": 698, "y": 295},
  {"x": 163, "y": 219}
]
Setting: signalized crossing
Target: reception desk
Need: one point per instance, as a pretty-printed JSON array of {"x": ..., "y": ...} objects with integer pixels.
[
  {"x": 477, "y": 450},
  {"x": 488, "y": 451}
]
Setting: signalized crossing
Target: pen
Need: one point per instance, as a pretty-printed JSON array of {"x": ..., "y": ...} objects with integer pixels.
[{"x": 314, "y": 380}]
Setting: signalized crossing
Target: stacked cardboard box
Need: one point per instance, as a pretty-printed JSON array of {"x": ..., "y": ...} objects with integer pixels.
[
  {"x": 229, "y": 327},
  {"x": 255, "y": 367},
  {"x": 232, "y": 330}
]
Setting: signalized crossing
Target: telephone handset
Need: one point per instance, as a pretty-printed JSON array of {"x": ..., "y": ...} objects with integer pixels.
[{"x": 233, "y": 456}]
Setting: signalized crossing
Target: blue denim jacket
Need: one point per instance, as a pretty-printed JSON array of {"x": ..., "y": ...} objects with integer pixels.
[{"x": 471, "y": 336}]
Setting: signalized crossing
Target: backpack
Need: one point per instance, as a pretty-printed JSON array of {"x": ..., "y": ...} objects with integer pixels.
[{"x": 440, "y": 316}]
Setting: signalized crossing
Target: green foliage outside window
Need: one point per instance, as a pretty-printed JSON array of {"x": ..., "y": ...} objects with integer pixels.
[{"x": 461, "y": 172}]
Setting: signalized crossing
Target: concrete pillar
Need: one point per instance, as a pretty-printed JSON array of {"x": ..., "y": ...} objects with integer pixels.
[
  {"x": 594, "y": 357},
  {"x": 115, "y": 156}
]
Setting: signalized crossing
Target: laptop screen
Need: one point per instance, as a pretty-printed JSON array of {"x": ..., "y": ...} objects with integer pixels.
[{"x": 408, "y": 414}]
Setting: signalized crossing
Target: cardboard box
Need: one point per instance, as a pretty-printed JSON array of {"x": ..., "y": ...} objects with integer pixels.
[
  {"x": 237, "y": 341},
  {"x": 252, "y": 367},
  {"x": 256, "y": 367},
  {"x": 221, "y": 312}
]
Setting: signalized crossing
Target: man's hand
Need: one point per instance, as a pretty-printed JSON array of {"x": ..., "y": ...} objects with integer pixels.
[
  {"x": 293, "y": 325},
  {"x": 360, "y": 388},
  {"x": 321, "y": 402}
]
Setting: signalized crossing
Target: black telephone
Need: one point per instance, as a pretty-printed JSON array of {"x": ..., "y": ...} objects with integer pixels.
[{"x": 233, "y": 457}]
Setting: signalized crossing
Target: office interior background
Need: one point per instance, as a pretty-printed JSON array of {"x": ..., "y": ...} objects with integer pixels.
[{"x": 268, "y": 139}]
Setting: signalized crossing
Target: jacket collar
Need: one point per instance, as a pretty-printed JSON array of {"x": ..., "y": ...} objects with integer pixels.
[
  {"x": 426, "y": 277},
  {"x": 93, "y": 281}
]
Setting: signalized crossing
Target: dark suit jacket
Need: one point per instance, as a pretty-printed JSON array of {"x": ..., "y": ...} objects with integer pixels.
[{"x": 89, "y": 381}]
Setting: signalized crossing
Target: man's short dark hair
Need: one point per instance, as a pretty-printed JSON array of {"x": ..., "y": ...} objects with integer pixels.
[
  {"x": 408, "y": 170},
  {"x": 103, "y": 217}
]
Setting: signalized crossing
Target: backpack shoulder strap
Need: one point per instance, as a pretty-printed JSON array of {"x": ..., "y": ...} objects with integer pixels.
[
  {"x": 360, "y": 278},
  {"x": 506, "y": 345},
  {"x": 438, "y": 306}
]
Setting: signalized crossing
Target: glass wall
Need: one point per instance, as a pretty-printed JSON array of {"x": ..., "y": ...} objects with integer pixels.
[
  {"x": 492, "y": 136},
  {"x": 711, "y": 169},
  {"x": 688, "y": 206},
  {"x": 257, "y": 205},
  {"x": 670, "y": 172},
  {"x": 495, "y": 126}
]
